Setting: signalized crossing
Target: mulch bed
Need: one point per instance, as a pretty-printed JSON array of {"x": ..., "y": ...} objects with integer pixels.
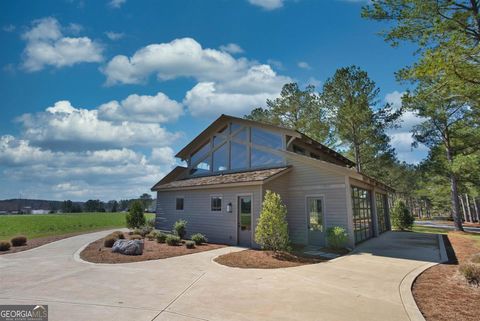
[
  {"x": 95, "y": 252},
  {"x": 39, "y": 241},
  {"x": 256, "y": 259},
  {"x": 442, "y": 293}
]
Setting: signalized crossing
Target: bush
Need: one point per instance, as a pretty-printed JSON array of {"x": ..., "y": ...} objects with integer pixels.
[
  {"x": 19, "y": 240},
  {"x": 471, "y": 272},
  {"x": 190, "y": 244},
  {"x": 151, "y": 223},
  {"x": 199, "y": 238},
  {"x": 172, "y": 239},
  {"x": 401, "y": 217},
  {"x": 136, "y": 237},
  {"x": 337, "y": 237},
  {"x": 135, "y": 217},
  {"x": 109, "y": 240},
  {"x": 118, "y": 234},
  {"x": 180, "y": 228},
  {"x": 4, "y": 245},
  {"x": 145, "y": 230},
  {"x": 272, "y": 227},
  {"x": 161, "y": 237},
  {"x": 152, "y": 235}
]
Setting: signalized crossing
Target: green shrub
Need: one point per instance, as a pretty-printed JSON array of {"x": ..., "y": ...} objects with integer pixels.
[
  {"x": 272, "y": 227},
  {"x": 135, "y": 217},
  {"x": 136, "y": 237},
  {"x": 337, "y": 237},
  {"x": 145, "y": 230},
  {"x": 152, "y": 235},
  {"x": 18, "y": 240},
  {"x": 109, "y": 240},
  {"x": 471, "y": 272},
  {"x": 172, "y": 239},
  {"x": 180, "y": 228},
  {"x": 4, "y": 245},
  {"x": 151, "y": 223},
  {"x": 199, "y": 238},
  {"x": 401, "y": 217},
  {"x": 161, "y": 237},
  {"x": 190, "y": 244},
  {"x": 476, "y": 258},
  {"x": 119, "y": 234}
]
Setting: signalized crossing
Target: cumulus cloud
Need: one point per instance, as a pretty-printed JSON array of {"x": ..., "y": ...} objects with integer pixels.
[
  {"x": 116, "y": 3},
  {"x": 143, "y": 109},
  {"x": 267, "y": 4},
  {"x": 232, "y": 48},
  {"x": 114, "y": 35},
  {"x": 64, "y": 127},
  {"x": 46, "y": 45},
  {"x": 225, "y": 84},
  {"x": 303, "y": 65}
]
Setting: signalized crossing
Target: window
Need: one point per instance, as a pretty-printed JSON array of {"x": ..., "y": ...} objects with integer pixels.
[
  {"x": 220, "y": 159},
  {"x": 179, "y": 204},
  {"x": 298, "y": 150},
  {"x": 362, "y": 214},
  {"x": 216, "y": 203},
  {"x": 264, "y": 159},
  {"x": 382, "y": 211},
  {"x": 203, "y": 167},
  {"x": 315, "y": 210},
  {"x": 266, "y": 138},
  {"x": 238, "y": 156},
  {"x": 200, "y": 153}
]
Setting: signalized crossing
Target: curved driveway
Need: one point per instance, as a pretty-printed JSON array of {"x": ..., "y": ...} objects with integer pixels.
[{"x": 363, "y": 286}]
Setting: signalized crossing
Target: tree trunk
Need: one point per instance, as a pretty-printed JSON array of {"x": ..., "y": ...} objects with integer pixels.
[
  {"x": 475, "y": 207},
  {"x": 469, "y": 210},
  {"x": 464, "y": 212},
  {"x": 356, "y": 149}
]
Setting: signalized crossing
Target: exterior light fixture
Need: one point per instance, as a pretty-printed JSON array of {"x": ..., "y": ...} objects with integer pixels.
[{"x": 229, "y": 207}]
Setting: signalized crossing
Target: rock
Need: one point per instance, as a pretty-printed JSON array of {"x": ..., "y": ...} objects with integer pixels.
[{"x": 128, "y": 247}]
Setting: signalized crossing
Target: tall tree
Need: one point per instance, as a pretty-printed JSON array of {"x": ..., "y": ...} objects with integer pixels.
[
  {"x": 351, "y": 97},
  {"x": 296, "y": 109}
]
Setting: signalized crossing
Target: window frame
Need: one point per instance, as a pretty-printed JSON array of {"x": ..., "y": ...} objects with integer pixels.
[
  {"x": 178, "y": 197},
  {"x": 216, "y": 209}
]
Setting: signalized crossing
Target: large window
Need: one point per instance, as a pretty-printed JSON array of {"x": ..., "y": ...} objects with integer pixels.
[
  {"x": 382, "y": 211},
  {"x": 239, "y": 156},
  {"x": 179, "y": 203},
  {"x": 266, "y": 138},
  {"x": 216, "y": 203},
  {"x": 362, "y": 214},
  {"x": 261, "y": 158},
  {"x": 200, "y": 153},
  {"x": 220, "y": 159}
]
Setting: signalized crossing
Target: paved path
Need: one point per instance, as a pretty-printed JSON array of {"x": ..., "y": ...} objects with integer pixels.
[
  {"x": 361, "y": 286},
  {"x": 446, "y": 226}
]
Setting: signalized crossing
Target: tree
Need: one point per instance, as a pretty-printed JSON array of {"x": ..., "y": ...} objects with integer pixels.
[
  {"x": 135, "y": 217},
  {"x": 146, "y": 200},
  {"x": 296, "y": 109},
  {"x": 94, "y": 206},
  {"x": 272, "y": 227},
  {"x": 350, "y": 96},
  {"x": 401, "y": 217}
]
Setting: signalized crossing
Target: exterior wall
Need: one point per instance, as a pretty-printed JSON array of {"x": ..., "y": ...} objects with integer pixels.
[
  {"x": 304, "y": 180},
  {"x": 219, "y": 227}
]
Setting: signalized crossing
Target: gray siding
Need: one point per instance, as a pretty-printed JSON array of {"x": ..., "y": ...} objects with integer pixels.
[
  {"x": 303, "y": 180},
  {"x": 219, "y": 227}
]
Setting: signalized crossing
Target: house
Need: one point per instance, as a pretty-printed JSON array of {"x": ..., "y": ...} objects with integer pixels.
[{"x": 233, "y": 162}]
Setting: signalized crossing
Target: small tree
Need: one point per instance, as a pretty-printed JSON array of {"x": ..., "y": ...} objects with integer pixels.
[
  {"x": 401, "y": 217},
  {"x": 135, "y": 217},
  {"x": 180, "y": 228},
  {"x": 272, "y": 227}
]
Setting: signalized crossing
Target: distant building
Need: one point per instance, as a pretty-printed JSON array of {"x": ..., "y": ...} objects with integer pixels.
[{"x": 40, "y": 211}]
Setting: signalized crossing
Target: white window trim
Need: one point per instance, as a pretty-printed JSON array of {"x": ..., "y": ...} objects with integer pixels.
[
  {"x": 177, "y": 197},
  {"x": 221, "y": 205}
]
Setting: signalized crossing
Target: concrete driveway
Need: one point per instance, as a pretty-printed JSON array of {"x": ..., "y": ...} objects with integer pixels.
[{"x": 363, "y": 286}]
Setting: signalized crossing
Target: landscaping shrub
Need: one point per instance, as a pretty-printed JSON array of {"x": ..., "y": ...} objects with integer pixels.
[
  {"x": 476, "y": 258},
  {"x": 471, "y": 272},
  {"x": 109, "y": 240},
  {"x": 272, "y": 227},
  {"x": 172, "y": 240},
  {"x": 135, "y": 217},
  {"x": 4, "y": 245},
  {"x": 161, "y": 237},
  {"x": 180, "y": 228},
  {"x": 199, "y": 238},
  {"x": 152, "y": 235},
  {"x": 151, "y": 223},
  {"x": 145, "y": 230},
  {"x": 401, "y": 217},
  {"x": 19, "y": 240},
  {"x": 136, "y": 237},
  {"x": 337, "y": 237},
  {"x": 190, "y": 244},
  {"x": 119, "y": 234}
]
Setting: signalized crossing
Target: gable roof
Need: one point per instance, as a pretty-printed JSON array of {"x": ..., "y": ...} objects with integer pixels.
[
  {"x": 223, "y": 119},
  {"x": 255, "y": 176}
]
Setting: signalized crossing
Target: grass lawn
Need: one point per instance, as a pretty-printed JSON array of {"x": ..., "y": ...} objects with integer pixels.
[
  {"x": 41, "y": 225},
  {"x": 426, "y": 229}
]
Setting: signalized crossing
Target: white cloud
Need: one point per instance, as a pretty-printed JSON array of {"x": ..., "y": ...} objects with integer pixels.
[
  {"x": 116, "y": 3},
  {"x": 267, "y": 4},
  {"x": 303, "y": 65},
  {"x": 114, "y": 35},
  {"x": 143, "y": 109},
  {"x": 64, "y": 127},
  {"x": 46, "y": 45},
  {"x": 232, "y": 48}
]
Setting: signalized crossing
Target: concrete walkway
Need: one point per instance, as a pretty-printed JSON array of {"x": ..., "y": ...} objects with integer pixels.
[{"x": 362, "y": 286}]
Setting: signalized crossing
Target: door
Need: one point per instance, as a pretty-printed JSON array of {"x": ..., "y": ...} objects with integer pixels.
[
  {"x": 245, "y": 221},
  {"x": 315, "y": 221}
]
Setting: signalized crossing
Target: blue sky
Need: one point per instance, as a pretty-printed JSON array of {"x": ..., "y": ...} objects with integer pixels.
[{"x": 97, "y": 96}]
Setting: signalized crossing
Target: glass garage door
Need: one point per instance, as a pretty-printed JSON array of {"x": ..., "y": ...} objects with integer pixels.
[{"x": 362, "y": 214}]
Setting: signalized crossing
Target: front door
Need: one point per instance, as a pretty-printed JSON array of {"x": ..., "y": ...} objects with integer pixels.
[
  {"x": 245, "y": 221},
  {"x": 315, "y": 221}
]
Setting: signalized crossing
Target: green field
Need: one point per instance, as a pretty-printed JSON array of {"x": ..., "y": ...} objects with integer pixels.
[{"x": 39, "y": 225}]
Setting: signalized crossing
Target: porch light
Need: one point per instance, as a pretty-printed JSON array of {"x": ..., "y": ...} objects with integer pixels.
[{"x": 229, "y": 207}]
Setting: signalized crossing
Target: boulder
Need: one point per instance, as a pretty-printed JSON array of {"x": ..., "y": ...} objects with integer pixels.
[{"x": 128, "y": 247}]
